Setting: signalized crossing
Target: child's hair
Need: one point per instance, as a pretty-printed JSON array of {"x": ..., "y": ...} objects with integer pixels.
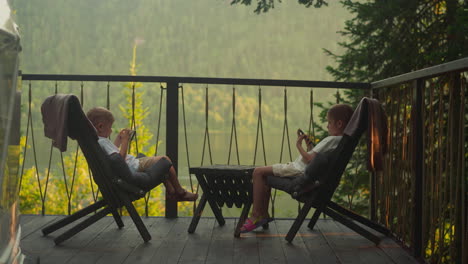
[
  {"x": 100, "y": 114},
  {"x": 341, "y": 112}
]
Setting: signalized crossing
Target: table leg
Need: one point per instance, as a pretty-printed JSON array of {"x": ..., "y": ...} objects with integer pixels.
[
  {"x": 242, "y": 218},
  {"x": 197, "y": 214},
  {"x": 216, "y": 211}
]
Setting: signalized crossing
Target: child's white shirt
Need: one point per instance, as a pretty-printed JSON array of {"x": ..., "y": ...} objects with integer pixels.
[
  {"x": 297, "y": 167},
  {"x": 327, "y": 144},
  {"x": 110, "y": 148}
]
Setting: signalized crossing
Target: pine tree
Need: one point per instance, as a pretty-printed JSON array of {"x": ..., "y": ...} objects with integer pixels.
[{"x": 388, "y": 38}]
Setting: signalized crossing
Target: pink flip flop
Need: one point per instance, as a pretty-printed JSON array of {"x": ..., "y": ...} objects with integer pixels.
[{"x": 251, "y": 225}]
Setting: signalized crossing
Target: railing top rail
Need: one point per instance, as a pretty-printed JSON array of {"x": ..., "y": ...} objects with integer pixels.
[
  {"x": 200, "y": 80},
  {"x": 453, "y": 66}
]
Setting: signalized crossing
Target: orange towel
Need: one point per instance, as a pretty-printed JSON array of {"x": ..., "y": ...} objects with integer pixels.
[
  {"x": 370, "y": 114},
  {"x": 377, "y": 135}
]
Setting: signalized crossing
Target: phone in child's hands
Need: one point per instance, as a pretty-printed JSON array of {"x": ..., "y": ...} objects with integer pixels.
[
  {"x": 131, "y": 135},
  {"x": 300, "y": 133}
]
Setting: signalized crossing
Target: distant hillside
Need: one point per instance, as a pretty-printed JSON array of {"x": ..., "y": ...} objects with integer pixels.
[
  {"x": 204, "y": 38},
  {"x": 183, "y": 38}
]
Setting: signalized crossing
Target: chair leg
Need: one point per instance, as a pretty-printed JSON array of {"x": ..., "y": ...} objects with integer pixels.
[
  {"x": 359, "y": 218},
  {"x": 242, "y": 218},
  {"x": 314, "y": 219},
  {"x": 298, "y": 222},
  {"x": 118, "y": 219},
  {"x": 351, "y": 225},
  {"x": 197, "y": 214},
  {"x": 71, "y": 218},
  {"x": 89, "y": 221},
  {"x": 136, "y": 219}
]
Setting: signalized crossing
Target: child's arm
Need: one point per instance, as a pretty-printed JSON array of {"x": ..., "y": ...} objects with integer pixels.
[
  {"x": 118, "y": 140},
  {"x": 122, "y": 139},
  {"x": 305, "y": 156}
]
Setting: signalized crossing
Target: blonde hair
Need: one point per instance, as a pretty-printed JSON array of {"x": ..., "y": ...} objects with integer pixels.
[
  {"x": 100, "y": 115},
  {"x": 342, "y": 112}
]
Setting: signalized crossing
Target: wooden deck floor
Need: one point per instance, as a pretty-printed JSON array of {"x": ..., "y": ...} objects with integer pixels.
[{"x": 331, "y": 242}]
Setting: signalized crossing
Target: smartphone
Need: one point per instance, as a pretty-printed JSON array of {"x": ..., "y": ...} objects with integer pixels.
[
  {"x": 300, "y": 133},
  {"x": 131, "y": 135}
]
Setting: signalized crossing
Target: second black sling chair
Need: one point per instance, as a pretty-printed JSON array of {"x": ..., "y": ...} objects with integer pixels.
[
  {"x": 63, "y": 117},
  {"x": 323, "y": 174}
]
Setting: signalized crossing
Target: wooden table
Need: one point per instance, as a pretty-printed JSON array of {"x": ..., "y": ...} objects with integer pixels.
[{"x": 223, "y": 185}]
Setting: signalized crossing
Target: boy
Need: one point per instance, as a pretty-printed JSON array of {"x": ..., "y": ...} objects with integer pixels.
[
  {"x": 102, "y": 119},
  {"x": 337, "y": 117}
]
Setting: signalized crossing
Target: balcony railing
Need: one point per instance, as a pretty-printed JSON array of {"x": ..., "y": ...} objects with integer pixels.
[{"x": 421, "y": 196}]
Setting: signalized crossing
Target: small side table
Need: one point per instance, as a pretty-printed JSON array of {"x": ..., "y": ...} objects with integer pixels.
[{"x": 223, "y": 185}]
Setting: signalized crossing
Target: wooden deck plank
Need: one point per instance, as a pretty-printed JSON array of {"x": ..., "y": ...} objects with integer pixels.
[
  {"x": 34, "y": 244},
  {"x": 144, "y": 252},
  {"x": 222, "y": 243},
  {"x": 71, "y": 247},
  {"x": 318, "y": 246},
  {"x": 335, "y": 240},
  {"x": 100, "y": 245},
  {"x": 365, "y": 251},
  {"x": 35, "y": 224},
  {"x": 246, "y": 249},
  {"x": 395, "y": 252},
  {"x": 170, "y": 250},
  {"x": 198, "y": 243},
  {"x": 25, "y": 218},
  {"x": 103, "y": 243},
  {"x": 295, "y": 252},
  {"x": 129, "y": 238},
  {"x": 269, "y": 245}
]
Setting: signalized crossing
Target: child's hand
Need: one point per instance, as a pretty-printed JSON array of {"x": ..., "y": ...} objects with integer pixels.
[
  {"x": 124, "y": 134},
  {"x": 300, "y": 138}
]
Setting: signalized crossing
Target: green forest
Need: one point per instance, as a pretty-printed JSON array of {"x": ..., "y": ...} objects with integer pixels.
[{"x": 209, "y": 38}]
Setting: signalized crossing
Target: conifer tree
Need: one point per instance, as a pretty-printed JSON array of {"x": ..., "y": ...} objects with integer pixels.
[{"x": 389, "y": 38}]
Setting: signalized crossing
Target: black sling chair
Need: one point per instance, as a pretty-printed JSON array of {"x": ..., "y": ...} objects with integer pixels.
[
  {"x": 118, "y": 186},
  {"x": 322, "y": 177}
]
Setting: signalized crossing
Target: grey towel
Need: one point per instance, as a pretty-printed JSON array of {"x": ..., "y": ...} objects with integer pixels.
[{"x": 54, "y": 116}]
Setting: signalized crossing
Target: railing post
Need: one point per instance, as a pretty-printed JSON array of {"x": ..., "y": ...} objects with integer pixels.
[
  {"x": 418, "y": 152},
  {"x": 172, "y": 137},
  {"x": 373, "y": 175}
]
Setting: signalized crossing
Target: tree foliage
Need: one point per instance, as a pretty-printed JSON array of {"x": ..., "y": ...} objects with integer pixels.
[
  {"x": 265, "y": 5},
  {"x": 75, "y": 189},
  {"x": 388, "y": 38}
]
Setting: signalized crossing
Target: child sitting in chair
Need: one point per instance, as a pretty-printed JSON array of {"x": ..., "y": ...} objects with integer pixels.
[
  {"x": 338, "y": 117},
  {"x": 102, "y": 119}
]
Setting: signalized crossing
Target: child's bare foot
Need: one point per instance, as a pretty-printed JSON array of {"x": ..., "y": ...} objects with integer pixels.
[{"x": 184, "y": 196}]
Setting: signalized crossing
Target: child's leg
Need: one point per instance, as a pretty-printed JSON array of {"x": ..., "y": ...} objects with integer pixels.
[
  {"x": 172, "y": 184},
  {"x": 261, "y": 191}
]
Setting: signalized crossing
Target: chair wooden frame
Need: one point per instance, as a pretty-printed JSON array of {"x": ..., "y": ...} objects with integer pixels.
[
  {"x": 116, "y": 193},
  {"x": 320, "y": 197}
]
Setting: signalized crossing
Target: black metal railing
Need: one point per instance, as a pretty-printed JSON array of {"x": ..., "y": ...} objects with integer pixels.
[
  {"x": 421, "y": 195},
  {"x": 174, "y": 94}
]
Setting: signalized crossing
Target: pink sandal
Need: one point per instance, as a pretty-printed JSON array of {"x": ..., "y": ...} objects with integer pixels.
[{"x": 251, "y": 225}]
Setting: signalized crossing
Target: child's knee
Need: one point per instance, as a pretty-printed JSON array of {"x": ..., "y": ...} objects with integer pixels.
[{"x": 166, "y": 157}]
